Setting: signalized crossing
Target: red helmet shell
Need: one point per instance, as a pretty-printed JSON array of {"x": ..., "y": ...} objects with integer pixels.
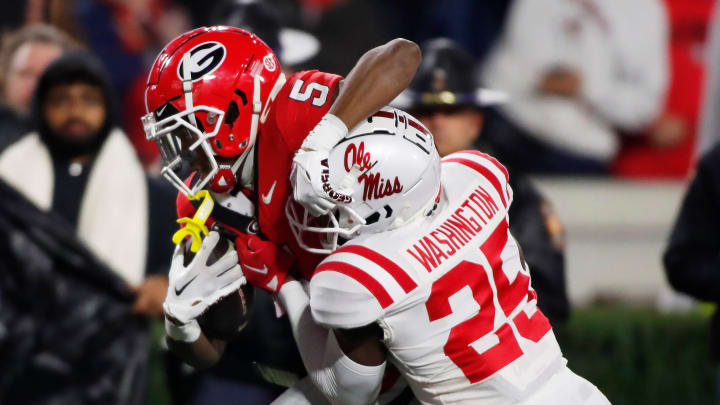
[{"x": 224, "y": 62}]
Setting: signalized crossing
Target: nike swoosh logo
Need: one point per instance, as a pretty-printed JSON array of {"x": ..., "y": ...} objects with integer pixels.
[
  {"x": 180, "y": 291},
  {"x": 225, "y": 271},
  {"x": 161, "y": 110},
  {"x": 264, "y": 270},
  {"x": 268, "y": 197}
]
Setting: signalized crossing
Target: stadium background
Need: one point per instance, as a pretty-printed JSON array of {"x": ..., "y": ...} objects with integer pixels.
[{"x": 629, "y": 333}]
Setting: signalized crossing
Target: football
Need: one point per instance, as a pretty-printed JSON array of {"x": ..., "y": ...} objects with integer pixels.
[
  {"x": 226, "y": 318},
  {"x": 224, "y": 243}
]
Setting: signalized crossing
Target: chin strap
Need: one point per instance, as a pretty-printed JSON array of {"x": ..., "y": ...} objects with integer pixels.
[
  {"x": 238, "y": 162},
  {"x": 226, "y": 177}
]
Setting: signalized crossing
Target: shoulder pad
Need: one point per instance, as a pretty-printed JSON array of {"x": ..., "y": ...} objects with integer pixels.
[
  {"x": 341, "y": 298},
  {"x": 487, "y": 167}
]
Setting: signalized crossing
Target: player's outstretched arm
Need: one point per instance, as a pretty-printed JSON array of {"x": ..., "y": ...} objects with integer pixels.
[{"x": 378, "y": 77}]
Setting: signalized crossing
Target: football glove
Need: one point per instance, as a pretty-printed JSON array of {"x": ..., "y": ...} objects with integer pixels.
[
  {"x": 264, "y": 264},
  {"x": 193, "y": 288},
  {"x": 306, "y": 175}
]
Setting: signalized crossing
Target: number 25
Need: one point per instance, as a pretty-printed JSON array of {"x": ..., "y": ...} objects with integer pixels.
[{"x": 504, "y": 347}]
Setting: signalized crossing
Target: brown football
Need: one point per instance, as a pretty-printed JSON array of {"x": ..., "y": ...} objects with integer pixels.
[
  {"x": 222, "y": 246},
  {"x": 228, "y": 317}
]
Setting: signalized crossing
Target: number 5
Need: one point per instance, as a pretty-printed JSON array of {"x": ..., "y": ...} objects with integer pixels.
[{"x": 297, "y": 93}]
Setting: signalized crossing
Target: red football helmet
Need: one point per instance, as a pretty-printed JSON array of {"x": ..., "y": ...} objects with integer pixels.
[{"x": 208, "y": 92}]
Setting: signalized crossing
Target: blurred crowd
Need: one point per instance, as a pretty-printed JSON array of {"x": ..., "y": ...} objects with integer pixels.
[
  {"x": 602, "y": 88},
  {"x": 619, "y": 88}
]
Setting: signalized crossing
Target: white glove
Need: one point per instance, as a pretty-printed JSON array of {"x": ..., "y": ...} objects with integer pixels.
[
  {"x": 194, "y": 288},
  {"x": 306, "y": 176},
  {"x": 187, "y": 332}
]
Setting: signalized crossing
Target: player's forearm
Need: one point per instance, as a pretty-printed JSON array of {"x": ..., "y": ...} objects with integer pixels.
[
  {"x": 297, "y": 305},
  {"x": 201, "y": 354},
  {"x": 338, "y": 377},
  {"x": 378, "y": 77}
]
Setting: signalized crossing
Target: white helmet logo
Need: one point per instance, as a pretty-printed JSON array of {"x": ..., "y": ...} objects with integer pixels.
[
  {"x": 269, "y": 63},
  {"x": 204, "y": 59}
]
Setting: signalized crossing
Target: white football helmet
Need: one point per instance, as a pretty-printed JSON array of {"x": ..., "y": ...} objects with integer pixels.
[{"x": 385, "y": 173}]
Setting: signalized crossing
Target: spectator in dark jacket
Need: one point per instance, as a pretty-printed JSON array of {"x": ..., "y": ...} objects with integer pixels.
[
  {"x": 692, "y": 262},
  {"x": 86, "y": 250},
  {"x": 79, "y": 166},
  {"x": 445, "y": 97}
]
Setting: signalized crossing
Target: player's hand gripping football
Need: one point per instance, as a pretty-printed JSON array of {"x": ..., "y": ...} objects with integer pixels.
[
  {"x": 264, "y": 264},
  {"x": 194, "y": 286},
  {"x": 306, "y": 175}
]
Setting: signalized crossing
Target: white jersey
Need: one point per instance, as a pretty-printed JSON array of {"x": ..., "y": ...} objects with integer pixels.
[{"x": 451, "y": 293}]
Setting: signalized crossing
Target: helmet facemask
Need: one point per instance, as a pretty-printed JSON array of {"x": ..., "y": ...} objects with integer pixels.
[
  {"x": 178, "y": 140},
  {"x": 340, "y": 224},
  {"x": 181, "y": 135},
  {"x": 389, "y": 169},
  {"x": 228, "y": 81}
]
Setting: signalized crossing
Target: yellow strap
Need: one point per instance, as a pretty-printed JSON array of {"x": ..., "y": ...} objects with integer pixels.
[{"x": 195, "y": 226}]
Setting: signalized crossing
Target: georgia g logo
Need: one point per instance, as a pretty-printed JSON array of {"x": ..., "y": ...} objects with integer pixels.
[{"x": 204, "y": 59}]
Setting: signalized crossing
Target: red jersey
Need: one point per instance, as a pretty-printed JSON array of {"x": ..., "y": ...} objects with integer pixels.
[{"x": 302, "y": 102}]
